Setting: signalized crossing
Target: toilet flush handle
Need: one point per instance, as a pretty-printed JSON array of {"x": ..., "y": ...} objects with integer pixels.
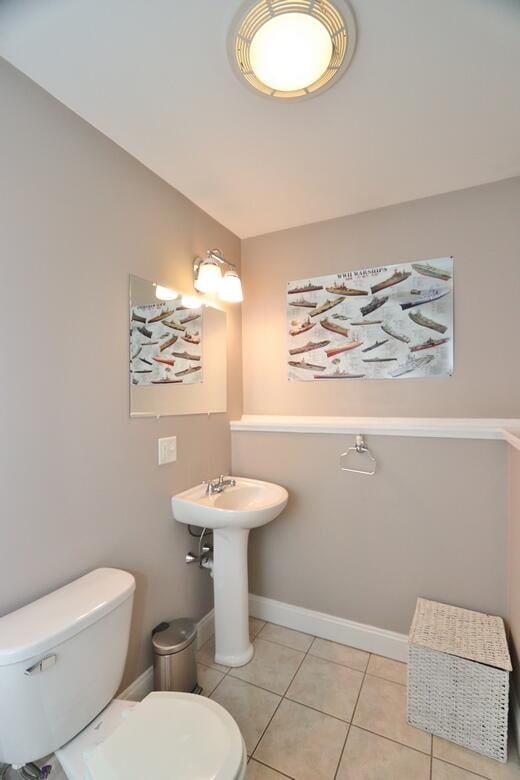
[{"x": 41, "y": 666}]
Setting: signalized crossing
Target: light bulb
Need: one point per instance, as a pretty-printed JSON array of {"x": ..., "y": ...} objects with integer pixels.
[
  {"x": 230, "y": 289},
  {"x": 291, "y": 51},
  {"x": 208, "y": 277},
  {"x": 191, "y": 301},
  {"x": 165, "y": 293}
]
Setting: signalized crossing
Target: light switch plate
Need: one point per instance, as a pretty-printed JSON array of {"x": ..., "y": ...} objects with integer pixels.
[{"x": 167, "y": 450}]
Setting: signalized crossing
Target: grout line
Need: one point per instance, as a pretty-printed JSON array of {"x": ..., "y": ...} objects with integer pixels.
[
  {"x": 279, "y": 703},
  {"x": 386, "y": 679},
  {"x": 395, "y": 742},
  {"x": 281, "y": 644},
  {"x": 360, "y": 689},
  {"x": 340, "y": 759},
  {"x": 316, "y": 709},
  {"x": 469, "y": 771},
  {"x": 263, "y": 732},
  {"x": 255, "y": 685},
  {"x": 271, "y": 767},
  {"x": 338, "y": 663},
  {"x": 349, "y": 724},
  {"x": 352, "y": 718}
]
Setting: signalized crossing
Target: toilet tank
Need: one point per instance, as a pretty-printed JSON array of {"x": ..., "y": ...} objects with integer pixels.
[{"x": 61, "y": 662}]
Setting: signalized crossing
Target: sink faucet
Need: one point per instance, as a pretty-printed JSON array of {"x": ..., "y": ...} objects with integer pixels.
[{"x": 218, "y": 485}]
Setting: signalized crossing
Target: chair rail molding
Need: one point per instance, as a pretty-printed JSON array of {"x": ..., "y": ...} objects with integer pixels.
[{"x": 435, "y": 427}]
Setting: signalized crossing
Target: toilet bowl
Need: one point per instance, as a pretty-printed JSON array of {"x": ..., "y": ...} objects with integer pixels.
[
  {"x": 61, "y": 664},
  {"x": 167, "y": 735}
]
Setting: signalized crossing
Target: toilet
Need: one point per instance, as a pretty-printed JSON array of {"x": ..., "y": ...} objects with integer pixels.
[{"x": 61, "y": 663}]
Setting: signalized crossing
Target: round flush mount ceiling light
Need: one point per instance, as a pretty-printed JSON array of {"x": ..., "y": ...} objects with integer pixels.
[{"x": 290, "y": 49}]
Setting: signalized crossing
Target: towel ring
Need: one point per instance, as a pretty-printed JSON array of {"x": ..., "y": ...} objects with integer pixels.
[{"x": 360, "y": 448}]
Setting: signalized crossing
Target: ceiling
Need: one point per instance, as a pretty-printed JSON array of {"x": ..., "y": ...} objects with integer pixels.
[{"x": 429, "y": 104}]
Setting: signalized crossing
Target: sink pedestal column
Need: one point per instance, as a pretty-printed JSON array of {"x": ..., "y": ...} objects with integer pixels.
[{"x": 230, "y": 582}]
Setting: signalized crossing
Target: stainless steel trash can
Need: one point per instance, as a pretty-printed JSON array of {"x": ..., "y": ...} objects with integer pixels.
[{"x": 174, "y": 667}]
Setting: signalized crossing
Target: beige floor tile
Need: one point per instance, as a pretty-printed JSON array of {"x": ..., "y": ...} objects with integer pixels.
[
  {"x": 206, "y": 656},
  {"x": 256, "y": 771},
  {"x": 328, "y": 687},
  {"x": 255, "y": 626},
  {"x": 369, "y": 757},
  {"x": 340, "y": 654},
  {"x": 251, "y": 707},
  {"x": 382, "y": 709},
  {"x": 302, "y": 743},
  {"x": 442, "y": 771},
  {"x": 272, "y": 667},
  {"x": 473, "y": 762},
  {"x": 208, "y": 678},
  {"x": 388, "y": 669},
  {"x": 286, "y": 636}
]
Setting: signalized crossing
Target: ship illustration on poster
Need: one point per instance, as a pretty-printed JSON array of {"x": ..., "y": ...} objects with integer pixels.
[
  {"x": 387, "y": 322},
  {"x": 159, "y": 336}
]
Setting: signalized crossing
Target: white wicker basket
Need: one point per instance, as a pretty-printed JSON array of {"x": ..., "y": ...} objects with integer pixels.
[{"x": 458, "y": 677}]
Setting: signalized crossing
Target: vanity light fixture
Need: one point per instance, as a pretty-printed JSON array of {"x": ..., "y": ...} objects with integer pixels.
[
  {"x": 165, "y": 293},
  {"x": 292, "y": 48},
  {"x": 215, "y": 274}
]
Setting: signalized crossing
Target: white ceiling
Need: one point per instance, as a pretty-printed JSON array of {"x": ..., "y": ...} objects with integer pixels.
[{"x": 429, "y": 104}]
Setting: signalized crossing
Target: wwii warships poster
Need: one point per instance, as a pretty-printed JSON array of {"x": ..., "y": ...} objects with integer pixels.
[{"x": 354, "y": 312}]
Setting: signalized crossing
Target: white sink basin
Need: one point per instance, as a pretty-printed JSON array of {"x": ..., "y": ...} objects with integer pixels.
[
  {"x": 231, "y": 514},
  {"x": 250, "y": 504}
]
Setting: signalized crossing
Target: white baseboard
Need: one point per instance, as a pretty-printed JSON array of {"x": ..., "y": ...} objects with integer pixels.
[
  {"x": 346, "y": 632},
  {"x": 336, "y": 629},
  {"x": 140, "y": 688},
  {"x": 205, "y": 628}
]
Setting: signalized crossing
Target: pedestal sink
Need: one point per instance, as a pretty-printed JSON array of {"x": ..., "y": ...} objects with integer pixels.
[{"x": 231, "y": 514}]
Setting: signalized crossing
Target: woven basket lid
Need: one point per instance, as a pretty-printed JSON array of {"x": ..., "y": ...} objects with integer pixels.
[{"x": 461, "y": 632}]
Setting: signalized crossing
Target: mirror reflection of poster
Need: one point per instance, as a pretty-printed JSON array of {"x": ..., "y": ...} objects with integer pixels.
[
  {"x": 389, "y": 322},
  {"x": 165, "y": 344}
]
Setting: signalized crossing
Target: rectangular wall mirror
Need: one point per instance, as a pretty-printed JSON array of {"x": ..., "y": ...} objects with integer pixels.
[{"x": 178, "y": 353}]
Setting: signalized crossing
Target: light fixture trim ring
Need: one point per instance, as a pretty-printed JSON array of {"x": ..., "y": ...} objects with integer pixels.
[{"x": 341, "y": 57}]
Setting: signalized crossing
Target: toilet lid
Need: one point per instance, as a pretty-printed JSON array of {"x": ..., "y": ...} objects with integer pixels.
[{"x": 171, "y": 735}]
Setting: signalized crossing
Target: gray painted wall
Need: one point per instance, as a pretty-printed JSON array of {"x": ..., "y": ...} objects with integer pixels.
[
  {"x": 514, "y": 562},
  {"x": 79, "y": 482},
  {"x": 80, "y": 485},
  {"x": 478, "y": 226},
  {"x": 432, "y": 522}
]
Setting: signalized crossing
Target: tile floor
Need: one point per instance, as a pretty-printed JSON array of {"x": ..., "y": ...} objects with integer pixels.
[{"x": 310, "y": 709}]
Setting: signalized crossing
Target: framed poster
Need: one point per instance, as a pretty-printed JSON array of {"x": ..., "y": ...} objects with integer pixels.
[{"x": 388, "y": 322}]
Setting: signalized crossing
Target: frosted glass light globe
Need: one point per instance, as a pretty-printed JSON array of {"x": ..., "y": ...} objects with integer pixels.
[
  {"x": 230, "y": 289},
  {"x": 208, "y": 277},
  {"x": 291, "y": 51}
]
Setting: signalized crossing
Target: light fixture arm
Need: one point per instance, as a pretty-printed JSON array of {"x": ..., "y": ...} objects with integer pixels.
[{"x": 216, "y": 256}]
